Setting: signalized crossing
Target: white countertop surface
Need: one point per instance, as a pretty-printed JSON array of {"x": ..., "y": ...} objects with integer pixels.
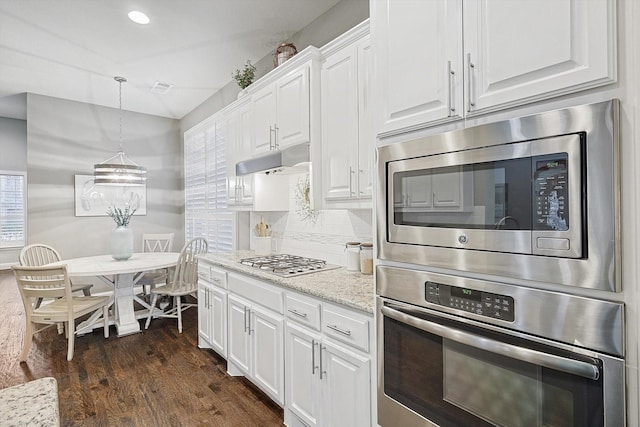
[
  {"x": 348, "y": 288},
  {"x": 31, "y": 404}
]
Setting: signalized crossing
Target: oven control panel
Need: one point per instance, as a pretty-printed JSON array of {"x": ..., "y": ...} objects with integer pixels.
[{"x": 471, "y": 300}]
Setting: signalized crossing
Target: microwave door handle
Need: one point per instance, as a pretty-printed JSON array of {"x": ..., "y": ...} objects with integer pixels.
[{"x": 570, "y": 366}]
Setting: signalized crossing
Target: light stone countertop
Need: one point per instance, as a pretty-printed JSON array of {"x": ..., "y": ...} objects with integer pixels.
[
  {"x": 34, "y": 403},
  {"x": 344, "y": 287}
]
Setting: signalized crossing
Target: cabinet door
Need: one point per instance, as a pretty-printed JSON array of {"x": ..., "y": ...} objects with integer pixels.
[
  {"x": 346, "y": 380},
  {"x": 238, "y": 339},
  {"x": 246, "y": 150},
  {"x": 264, "y": 120},
  {"x": 239, "y": 141},
  {"x": 292, "y": 97},
  {"x": 218, "y": 313},
  {"x": 204, "y": 317},
  {"x": 418, "y": 46},
  {"x": 528, "y": 50},
  {"x": 301, "y": 373},
  {"x": 366, "y": 137},
  {"x": 233, "y": 155},
  {"x": 340, "y": 123},
  {"x": 267, "y": 339}
]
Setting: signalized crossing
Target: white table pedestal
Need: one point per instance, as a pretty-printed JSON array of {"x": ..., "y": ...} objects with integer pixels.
[{"x": 126, "y": 322}]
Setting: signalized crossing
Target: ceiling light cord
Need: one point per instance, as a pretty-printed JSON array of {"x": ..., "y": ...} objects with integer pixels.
[{"x": 120, "y": 80}]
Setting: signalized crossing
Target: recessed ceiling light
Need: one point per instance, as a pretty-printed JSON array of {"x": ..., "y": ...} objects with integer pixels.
[{"x": 138, "y": 17}]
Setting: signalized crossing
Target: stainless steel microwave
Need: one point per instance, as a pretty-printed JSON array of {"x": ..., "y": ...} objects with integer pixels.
[{"x": 533, "y": 198}]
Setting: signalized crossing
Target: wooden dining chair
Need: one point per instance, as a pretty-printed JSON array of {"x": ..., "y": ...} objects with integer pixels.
[
  {"x": 53, "y": 283},
  {"x": 155, "y": 243},
  {"x": 184, "y": 282},
  {"x": 38, "y": 254}
]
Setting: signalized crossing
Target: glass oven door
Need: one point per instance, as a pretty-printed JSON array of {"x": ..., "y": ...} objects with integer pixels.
[{"x": 438, "y": 371}]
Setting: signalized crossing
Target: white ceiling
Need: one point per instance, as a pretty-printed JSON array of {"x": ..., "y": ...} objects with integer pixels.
[{"x": 72, "y": 49}]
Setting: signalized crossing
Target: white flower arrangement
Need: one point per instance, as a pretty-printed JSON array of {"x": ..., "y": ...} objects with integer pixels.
[{"x": 303, "y": 201}]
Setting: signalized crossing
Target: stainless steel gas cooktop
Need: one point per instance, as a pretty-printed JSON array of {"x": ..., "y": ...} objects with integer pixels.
[{"x": 285, "y": 265}]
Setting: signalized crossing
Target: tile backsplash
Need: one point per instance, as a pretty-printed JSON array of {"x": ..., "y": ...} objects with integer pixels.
[{"x": 323, "y": 238}]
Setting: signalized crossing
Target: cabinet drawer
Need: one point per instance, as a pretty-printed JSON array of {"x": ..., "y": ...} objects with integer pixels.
[
  {"x": 304, "y": 312},
  {"x": 269, "y": 296},
  {"x": 218, "y": 277},
  {"x": 212, "y": 275},
  {"x": 346, "y": 328}
]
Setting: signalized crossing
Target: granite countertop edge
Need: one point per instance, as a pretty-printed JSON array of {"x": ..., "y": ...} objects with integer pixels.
[{"x": 351, "y": 289}]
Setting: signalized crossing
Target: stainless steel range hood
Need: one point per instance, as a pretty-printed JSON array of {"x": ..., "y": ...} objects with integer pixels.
[{"x": 290, "y": 159}]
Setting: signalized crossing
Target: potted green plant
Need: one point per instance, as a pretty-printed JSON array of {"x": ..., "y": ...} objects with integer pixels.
[{"x": 245, "y": 76}]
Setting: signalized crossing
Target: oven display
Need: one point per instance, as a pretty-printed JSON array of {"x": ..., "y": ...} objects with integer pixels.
[
  {"x": 467, "y": 294},
  {"x": 470, "y": 300}
]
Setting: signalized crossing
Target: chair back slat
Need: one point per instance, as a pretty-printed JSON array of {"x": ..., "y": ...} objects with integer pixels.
[
  {"x": 185, "y": 277},
  {"x": 157, "y": 242},
  {"x": 41, "y": 282},
  {"x": 38, "y": 254}
]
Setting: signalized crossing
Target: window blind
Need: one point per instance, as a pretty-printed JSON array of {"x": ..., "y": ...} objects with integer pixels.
[
  {"x": 206, "y": 211},
  {"x": 12, "y": 209}
]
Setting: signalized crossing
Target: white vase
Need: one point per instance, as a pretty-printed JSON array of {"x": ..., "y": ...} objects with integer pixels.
[{"x": 121, "y": 243}]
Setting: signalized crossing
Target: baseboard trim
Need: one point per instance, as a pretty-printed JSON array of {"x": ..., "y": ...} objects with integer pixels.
[{"x": 7, "y": 265}]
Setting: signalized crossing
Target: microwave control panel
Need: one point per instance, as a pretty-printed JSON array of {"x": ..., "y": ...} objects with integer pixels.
[
  {"x": 473, "y": 301},
  {"x": 551, "y": 195}
]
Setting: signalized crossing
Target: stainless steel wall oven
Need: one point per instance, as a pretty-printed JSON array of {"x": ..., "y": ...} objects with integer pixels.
[
  {"x": 467, "y": 352},
  {"x": 509, "y": 198}
]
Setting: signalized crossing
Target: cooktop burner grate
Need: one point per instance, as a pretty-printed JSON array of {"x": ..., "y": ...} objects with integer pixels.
[{"x": 285, "y": 265}]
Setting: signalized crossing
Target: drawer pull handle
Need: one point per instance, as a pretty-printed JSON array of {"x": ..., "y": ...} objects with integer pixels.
[
  {"x": 337, "y": 329},
  {"x": 297, "y": 313},
  {"x": 216, "y": 280}
]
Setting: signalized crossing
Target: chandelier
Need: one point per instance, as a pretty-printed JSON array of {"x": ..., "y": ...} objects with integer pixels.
[{"x": 119, "y": 170}]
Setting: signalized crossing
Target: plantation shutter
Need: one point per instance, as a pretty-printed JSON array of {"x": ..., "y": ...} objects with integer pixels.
[
  {"x": 12, "y": 209},
  {"x": 206, "y": 209}
]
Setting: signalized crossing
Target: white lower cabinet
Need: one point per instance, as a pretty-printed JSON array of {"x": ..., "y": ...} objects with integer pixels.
[
  {"x": 328, "y": 368},
  {"x": 312, "y": 357},
  {"x": 212, "y": 310},
  {"x": 303, "y": 387},
  {"x": 256, "y": 346},
  {"x": 346, "y": 385}
]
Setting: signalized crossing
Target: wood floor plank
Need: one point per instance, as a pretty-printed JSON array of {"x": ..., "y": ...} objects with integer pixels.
[{"x": 155, "y": 378}]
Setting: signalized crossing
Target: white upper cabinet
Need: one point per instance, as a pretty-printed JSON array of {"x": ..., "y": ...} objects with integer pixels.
[
  {"x": 292, "y": 97},
  {"x": 281, "y": 112},
  {"x": 529, "y": 50},
  {"x": 512, "y": 52},
  {"x": 239, "y": 147},
  {"x": 418, "y": 47},
  {"x": 347, "y": 135},
  {"x": 264, "y": 119}
]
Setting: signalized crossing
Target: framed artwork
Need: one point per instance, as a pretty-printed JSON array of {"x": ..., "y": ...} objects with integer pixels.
[{"x": 93, "y": 199}]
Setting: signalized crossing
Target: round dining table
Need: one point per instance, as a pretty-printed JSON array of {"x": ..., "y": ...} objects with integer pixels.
[{"x": 122, "y": 275}]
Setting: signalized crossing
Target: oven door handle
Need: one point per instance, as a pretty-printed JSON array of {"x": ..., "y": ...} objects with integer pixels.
[{"x": 570, "y": 366}]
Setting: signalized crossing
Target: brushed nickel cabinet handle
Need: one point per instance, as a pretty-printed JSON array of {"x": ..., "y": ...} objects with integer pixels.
[
  {"x": 337, "y": 329},
  {"x": 450, "y": 75},
  {"x": 297, "y": 313},
  {"x": 470, "y": 68}
]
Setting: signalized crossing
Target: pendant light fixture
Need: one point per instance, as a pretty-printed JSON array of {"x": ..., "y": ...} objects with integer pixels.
[{"x": 119, "y": 170}]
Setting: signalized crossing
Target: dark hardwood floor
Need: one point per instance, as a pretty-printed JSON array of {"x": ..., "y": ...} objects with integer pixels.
[{"x": 155, "y": 378}]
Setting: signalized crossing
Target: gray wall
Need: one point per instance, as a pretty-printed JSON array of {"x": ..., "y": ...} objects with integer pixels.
[
  {"x": 13, "y": 157},
  {"x": 340, "y": 18},
  {"x": 65, "y": 138}
]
